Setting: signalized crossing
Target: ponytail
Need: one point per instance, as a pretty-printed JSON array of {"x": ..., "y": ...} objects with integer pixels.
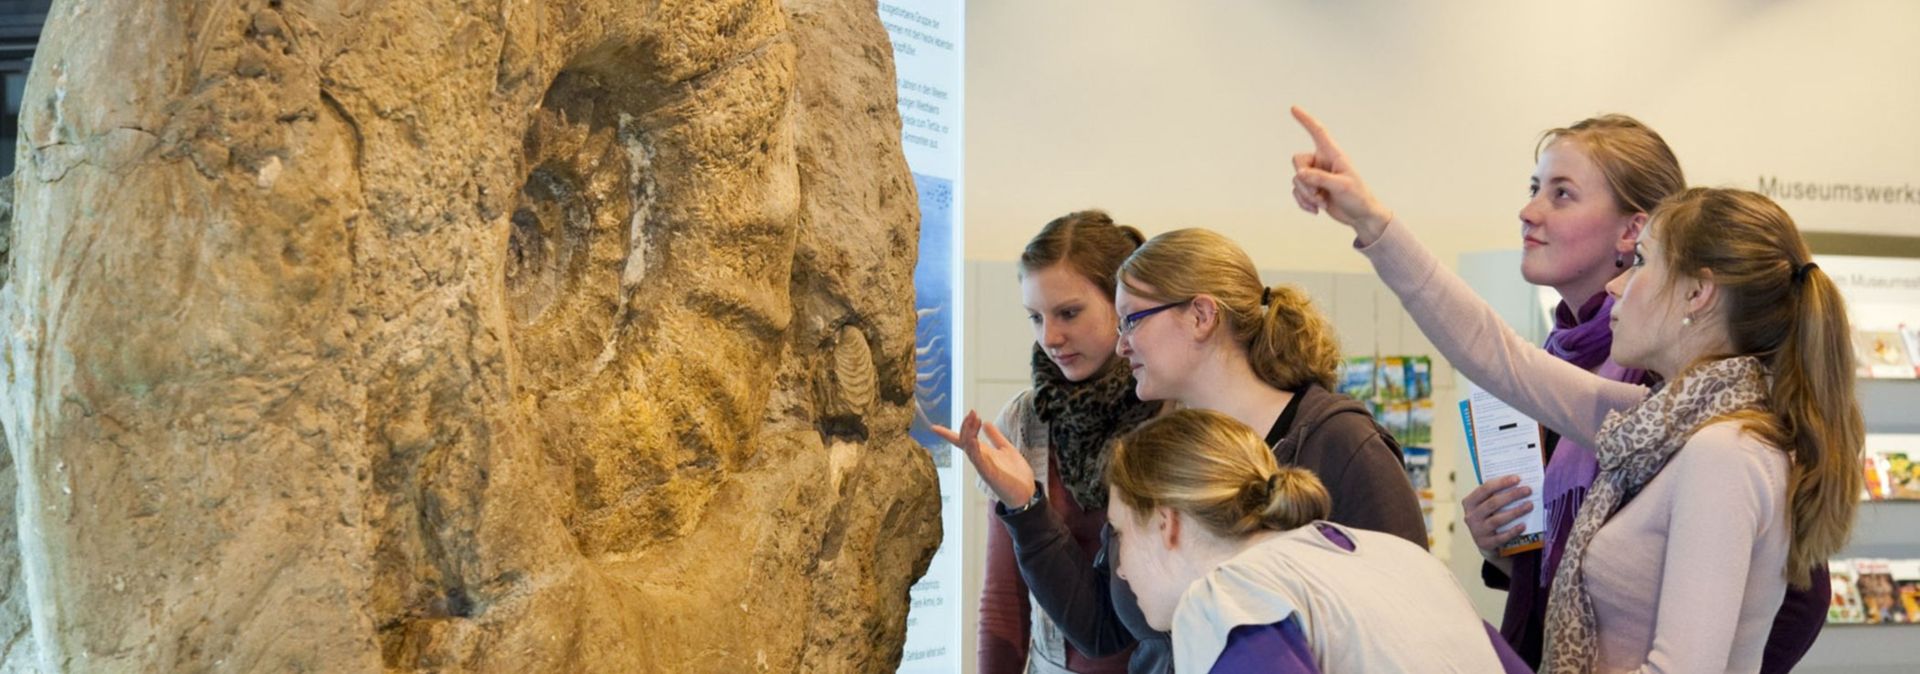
[
  {"x": 1784, "y": 310},
  {"x": 1288, "y": 342},
  {"x": 1813, "y": 397},
  {"x": 1294, "y": 345}
]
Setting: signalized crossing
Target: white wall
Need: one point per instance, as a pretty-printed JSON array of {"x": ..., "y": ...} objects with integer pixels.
[{"x": 1173, "y": 114}]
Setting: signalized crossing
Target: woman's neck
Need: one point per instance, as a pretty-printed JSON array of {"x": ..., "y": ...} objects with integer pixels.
[
  {"x": 1579, "y": 292},
  {"x": 1575, "y": 300},
  {"x": 1208, "y": 553},
  {"x": 1702, "y": 344},
  {"x": 1229, "y": 386}
]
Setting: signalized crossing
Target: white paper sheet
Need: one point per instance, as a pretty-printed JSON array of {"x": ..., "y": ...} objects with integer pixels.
[{"x": 1502, "y": 442}]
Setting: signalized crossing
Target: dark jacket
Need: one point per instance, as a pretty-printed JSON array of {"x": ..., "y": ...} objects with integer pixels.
[
  {"x": 1331, "y": 435},
  {"x": 1335, "y": 437}
]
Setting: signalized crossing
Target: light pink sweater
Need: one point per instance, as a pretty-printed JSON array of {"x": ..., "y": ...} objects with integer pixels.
[{"x": 1688, "y": 575}]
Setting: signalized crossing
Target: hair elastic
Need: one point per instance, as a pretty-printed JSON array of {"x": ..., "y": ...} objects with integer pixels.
[{"x": 1800, "y": 273}]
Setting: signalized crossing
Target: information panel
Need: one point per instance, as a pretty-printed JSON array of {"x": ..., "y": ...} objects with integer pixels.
[{"x": 927, "y": 55}]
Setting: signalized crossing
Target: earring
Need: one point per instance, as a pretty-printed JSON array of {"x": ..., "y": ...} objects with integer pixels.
[
  {"x": 1619, "y": 261},
  {"x": 1686, "y": 320}
]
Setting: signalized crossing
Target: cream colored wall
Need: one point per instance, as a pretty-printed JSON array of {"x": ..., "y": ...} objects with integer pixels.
[{"x": 1173, "y": 114}]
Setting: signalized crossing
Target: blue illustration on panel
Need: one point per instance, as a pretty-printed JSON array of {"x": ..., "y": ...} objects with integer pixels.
[{"x": 933, "y": 282}]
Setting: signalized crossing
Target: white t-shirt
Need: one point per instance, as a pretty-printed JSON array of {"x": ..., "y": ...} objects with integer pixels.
[{"x": 1385, "y": 606}]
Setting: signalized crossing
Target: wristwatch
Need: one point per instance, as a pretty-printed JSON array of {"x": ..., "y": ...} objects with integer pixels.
[{"x": 1037, "y": 495}]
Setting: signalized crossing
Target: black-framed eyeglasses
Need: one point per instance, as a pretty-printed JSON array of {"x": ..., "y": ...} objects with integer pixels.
[{"x": 1131, "y": 321}]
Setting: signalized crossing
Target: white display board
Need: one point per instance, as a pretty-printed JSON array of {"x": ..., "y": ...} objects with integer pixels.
[{"x": 928, "y": 60}]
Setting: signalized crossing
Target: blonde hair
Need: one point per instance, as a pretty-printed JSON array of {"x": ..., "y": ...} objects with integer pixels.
[
  {"x": 1288, "y": 342},
  {"x": 1793, "y": 318},
  {"x": 1640, "y": 168},
  {"x": 1216, "y": 470}
]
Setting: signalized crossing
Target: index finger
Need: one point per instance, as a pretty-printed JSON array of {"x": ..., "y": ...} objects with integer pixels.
[
  {"x": 1322, "y": 141},
  {"x": 946, "y": 434}
]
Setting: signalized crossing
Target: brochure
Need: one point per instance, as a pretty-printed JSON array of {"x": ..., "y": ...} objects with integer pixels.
[
  {"x": 1876, "y": 591},
  {"x": 1912, "y": 335},
  {"x": 1419, "y": 464},
  {"x": 1397, "y": 390},
  {"x": 1882, "y": 353},
  {"x": 1501, "y": 441},
  {"x": 1892, "y": 464},
  {"x": 1906, "y": 589},
  {"x": 1845, "y": 607}
]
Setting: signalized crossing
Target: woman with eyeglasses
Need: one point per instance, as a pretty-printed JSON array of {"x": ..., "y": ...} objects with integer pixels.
[
  {"x": 1199, "y": 329},
  {"x": 1082, "y": 398}
]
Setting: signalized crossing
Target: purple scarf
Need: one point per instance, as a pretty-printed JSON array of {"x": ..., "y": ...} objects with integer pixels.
[{"x": 1584, "y": 339}]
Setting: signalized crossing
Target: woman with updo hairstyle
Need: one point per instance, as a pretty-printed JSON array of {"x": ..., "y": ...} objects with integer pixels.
[
  {"x": 1232, "y": 553},
  {"x": 1198, "y": 328}
]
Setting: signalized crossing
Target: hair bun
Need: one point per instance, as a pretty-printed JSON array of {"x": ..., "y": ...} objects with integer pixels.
[
  {"x": 1295, "y": 497},
  {"x": 1257, "y": 496}
]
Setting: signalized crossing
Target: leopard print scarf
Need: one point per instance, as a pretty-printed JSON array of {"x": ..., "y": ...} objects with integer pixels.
[
  {"x": 1634, "y": 444},
  {"x": 1082, "y": 420}
]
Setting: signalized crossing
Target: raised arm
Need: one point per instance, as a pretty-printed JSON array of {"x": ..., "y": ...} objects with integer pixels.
[
  {"x": 1473, "y": 337},
  {"x": 1468, "y": 332}
]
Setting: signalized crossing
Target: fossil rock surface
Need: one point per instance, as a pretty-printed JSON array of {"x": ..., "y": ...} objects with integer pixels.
[{"x": 448, "y": 335}]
